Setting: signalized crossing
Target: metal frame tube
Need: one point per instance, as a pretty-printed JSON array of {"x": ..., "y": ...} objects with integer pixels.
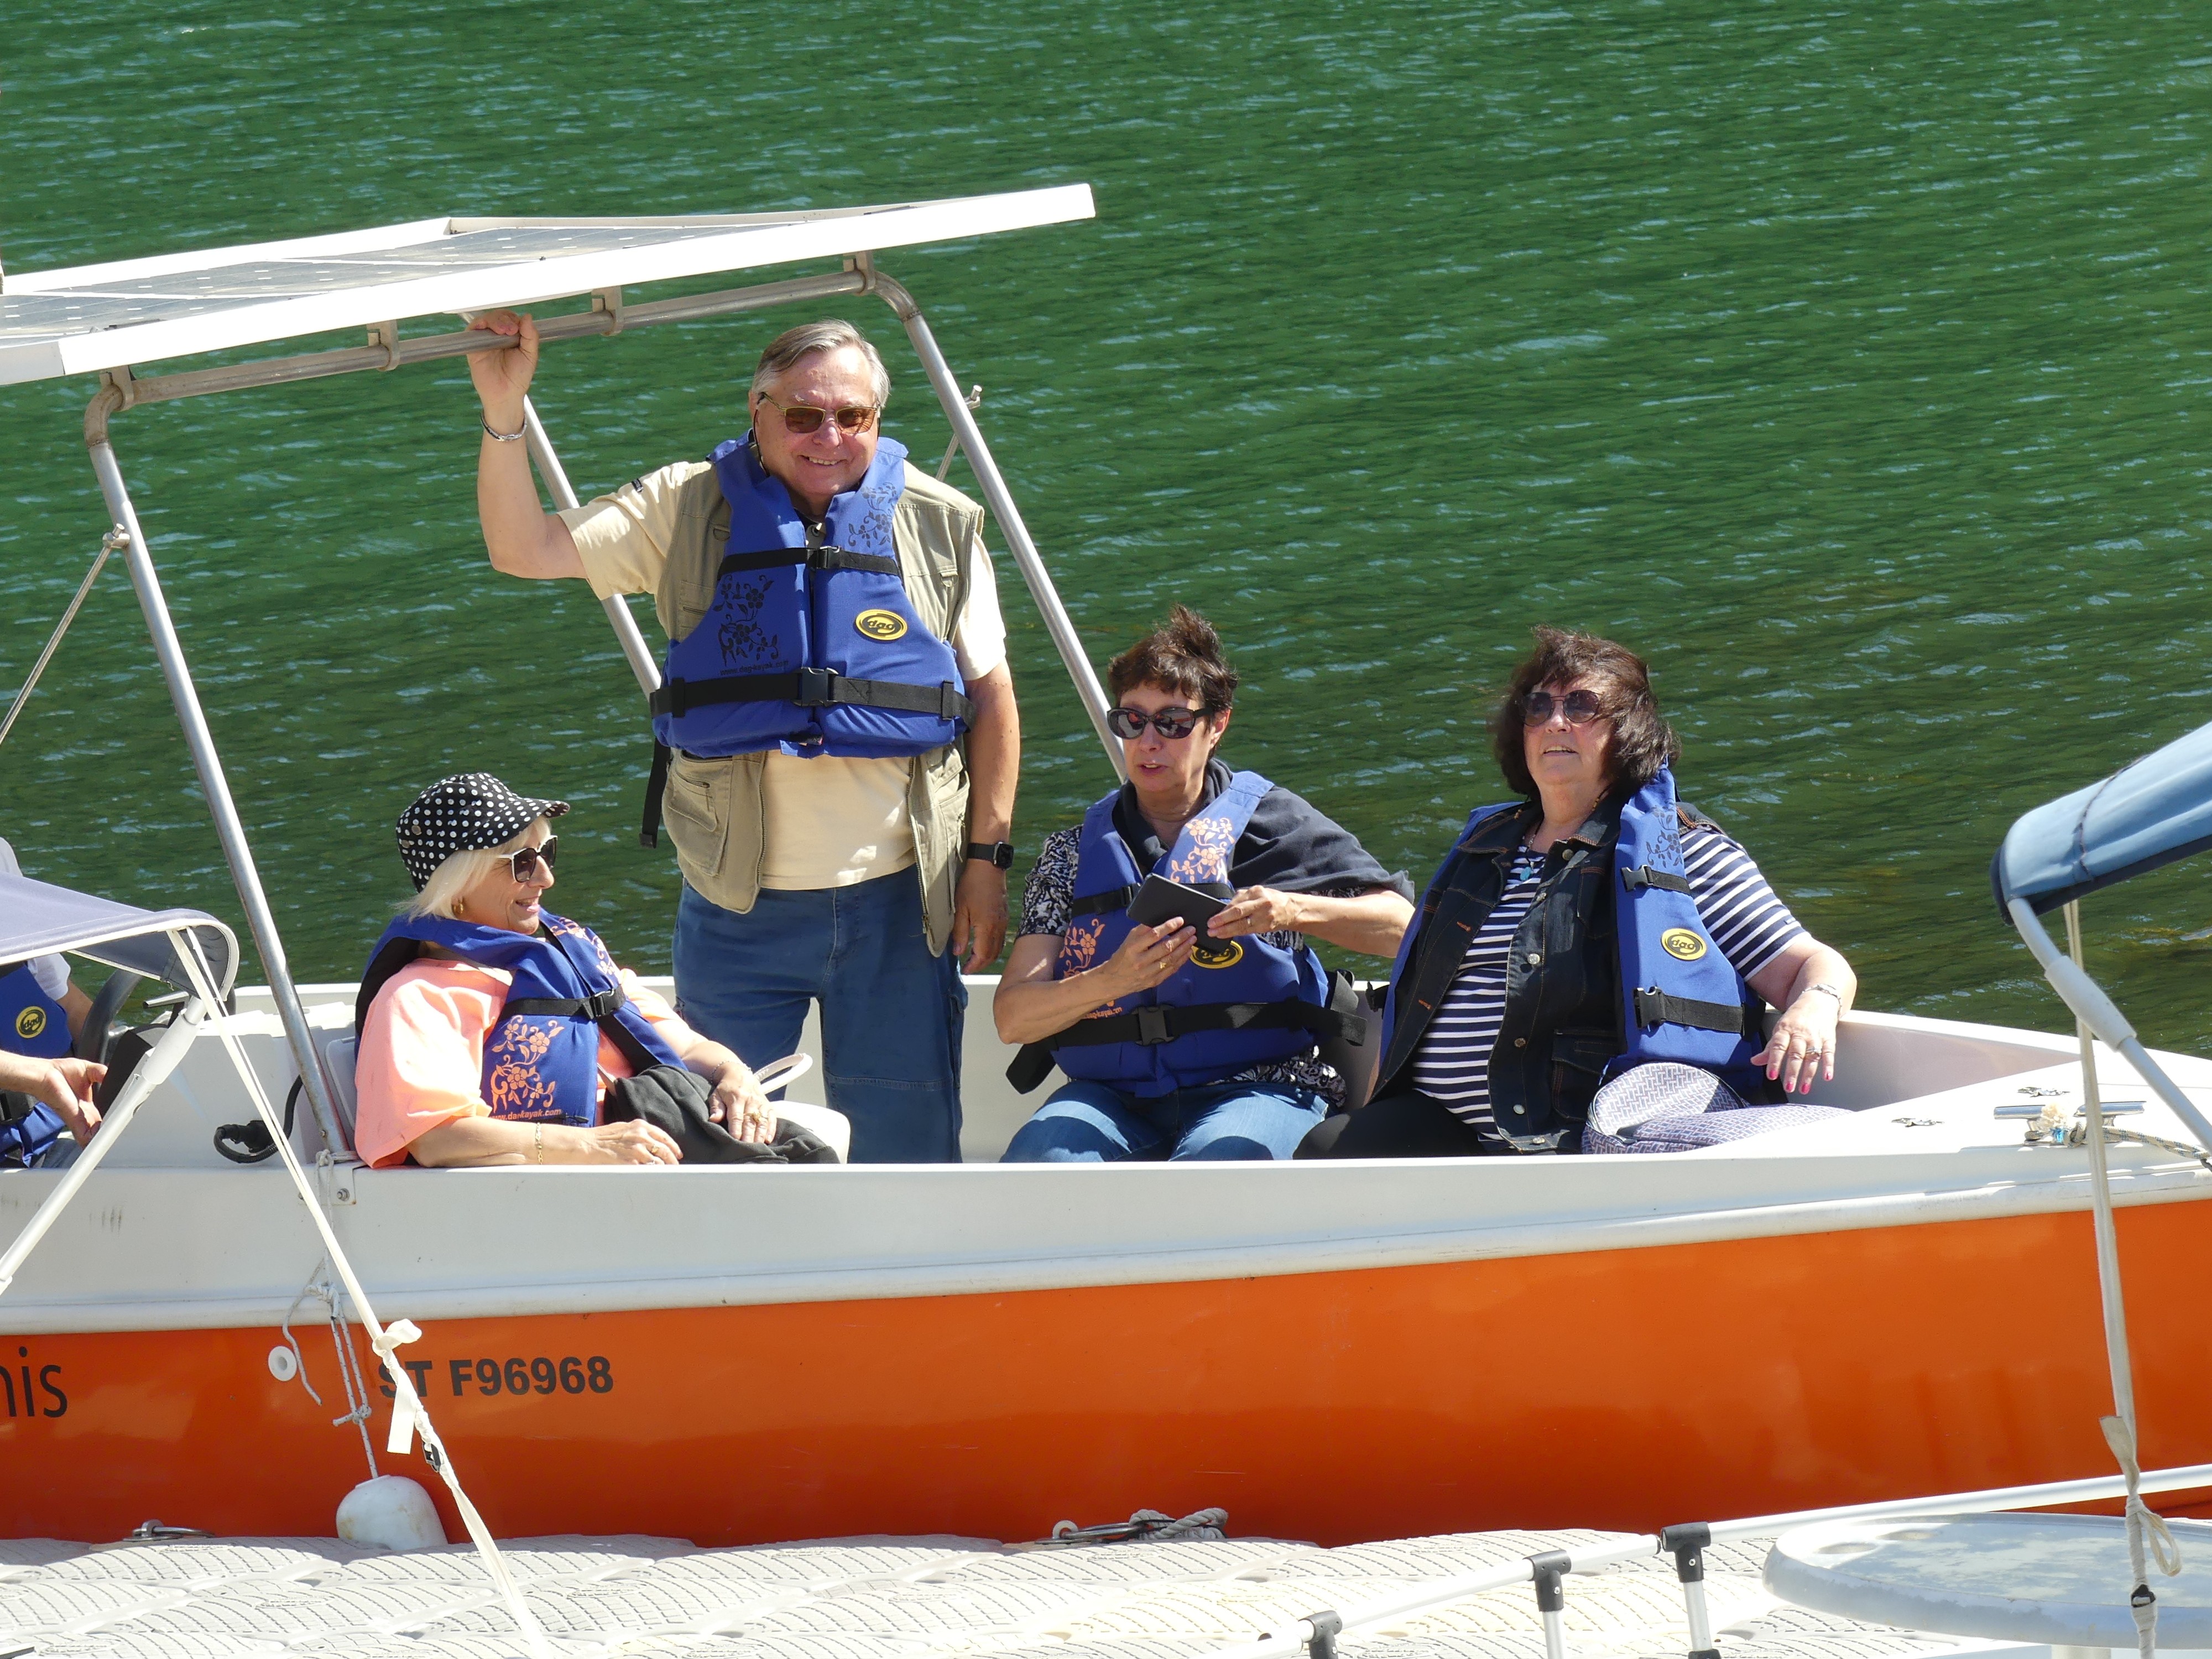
[
  {"x": 640, "y": 654},
  {"x": 427, "y": 348},
  {"x": 152, "y": 1070},
  {"x": 209, "y": 764},
  {"x": 2095, "y": 1010},
  {"x": 1000, "y": 500}
]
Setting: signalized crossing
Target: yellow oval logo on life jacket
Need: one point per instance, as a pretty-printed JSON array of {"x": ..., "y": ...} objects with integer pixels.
[
  {"x": 1682, "y": 943},
  {"x": 30, "y": 1022},
  {"x": 1217, "y": 953},
  {"x": 881, "y": 625}
]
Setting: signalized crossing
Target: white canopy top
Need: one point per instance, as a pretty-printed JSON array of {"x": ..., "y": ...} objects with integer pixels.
[{"x": 139, "y": 310}]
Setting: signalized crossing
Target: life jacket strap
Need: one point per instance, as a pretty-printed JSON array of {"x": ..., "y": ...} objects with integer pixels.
[
  {"x": 815, "y": 687},
  {"x": 1157, "y": 1023},
  {"x": 814, "y": 558},
  {"x": 656, "y": 787},
  {"x": 1644, "y": 876},
  {"x": 1657, "y": 1007},
  {"x": 602, "y": 1006}
]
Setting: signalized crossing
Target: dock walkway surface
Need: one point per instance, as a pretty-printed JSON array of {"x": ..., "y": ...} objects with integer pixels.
[{"x": 885, "y": 1598}]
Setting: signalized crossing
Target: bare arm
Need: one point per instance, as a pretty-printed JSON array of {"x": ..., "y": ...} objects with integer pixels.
[
  {"x": 1371, "y": 922},
  {"x": 1032, "y": 1004},
  {"x": 475, "y": 1143},
  {"x": 77, "y": 1006},
  {"x": 1803, "y": 1043},
  {"x": 65, "y": 1085},
  {"x": 522, "y": 538},
  {"x": 994, "y": 766}
]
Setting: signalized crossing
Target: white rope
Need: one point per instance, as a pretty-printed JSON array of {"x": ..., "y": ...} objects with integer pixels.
[
  {"x": 116, "y": 537},
  {"x": 409, "y": 1416},
  {"x": 312, "y": 1287},
  {"x": 359, "y": 1409},
  {"x": 2145, "y": 1528}
]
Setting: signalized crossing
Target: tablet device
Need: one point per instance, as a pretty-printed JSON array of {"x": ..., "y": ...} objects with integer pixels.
[{"x": 1160, "y": 898}]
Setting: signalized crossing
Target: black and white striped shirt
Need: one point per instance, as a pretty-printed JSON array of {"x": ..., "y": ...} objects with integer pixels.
[{"x": 1747, "y": 921}]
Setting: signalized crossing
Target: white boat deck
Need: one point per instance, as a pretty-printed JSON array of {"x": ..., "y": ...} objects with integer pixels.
[{"x": 877, "y": 1599}]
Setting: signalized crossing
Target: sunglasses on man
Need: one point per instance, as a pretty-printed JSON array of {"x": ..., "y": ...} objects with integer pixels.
[{"x": 799, "y": 419}]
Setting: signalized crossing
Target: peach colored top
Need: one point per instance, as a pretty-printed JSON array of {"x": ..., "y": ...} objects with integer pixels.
[{"x": 421, "y": 1062}]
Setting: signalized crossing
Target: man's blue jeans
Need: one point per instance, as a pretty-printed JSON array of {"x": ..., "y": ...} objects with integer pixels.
[
  {"x": 1092, "y": 1123},
  {"x": 891, "y": 1012}
]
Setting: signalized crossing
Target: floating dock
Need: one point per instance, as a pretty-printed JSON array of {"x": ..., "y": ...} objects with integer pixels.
[{"x": 884, "y": 1598}]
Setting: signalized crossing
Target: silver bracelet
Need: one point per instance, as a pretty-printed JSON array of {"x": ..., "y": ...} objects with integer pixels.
[
  {"x": 505, "y": 437},
  {"x": 1826, "y": 989}
]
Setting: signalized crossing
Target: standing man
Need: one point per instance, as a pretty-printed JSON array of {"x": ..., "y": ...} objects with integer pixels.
[{"x": 839, "y": 741}]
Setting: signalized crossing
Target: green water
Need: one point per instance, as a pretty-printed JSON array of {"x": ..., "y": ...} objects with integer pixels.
[{"x": 1847, "y": 361}]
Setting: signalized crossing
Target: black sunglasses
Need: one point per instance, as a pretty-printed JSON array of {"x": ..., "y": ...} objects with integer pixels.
[
  {"x": 1578, "y": 707},
  {"x": 1173, "y": 724},
  {"x": 524, "y": 861}
]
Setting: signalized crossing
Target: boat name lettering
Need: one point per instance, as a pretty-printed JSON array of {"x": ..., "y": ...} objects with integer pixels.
[
  {"x": 568, "y": 1375},
  {"x": 55, "y": 1402}
]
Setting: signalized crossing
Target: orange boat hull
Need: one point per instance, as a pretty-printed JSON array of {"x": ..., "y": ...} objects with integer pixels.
[{"x": 1624, "y": 1388}]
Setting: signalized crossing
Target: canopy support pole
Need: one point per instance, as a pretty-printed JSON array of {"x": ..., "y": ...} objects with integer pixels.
[
  {"x": 615, "y": 605},
  {"x": 209, "y": 764},
  {"x": 1000, "y": 501}
]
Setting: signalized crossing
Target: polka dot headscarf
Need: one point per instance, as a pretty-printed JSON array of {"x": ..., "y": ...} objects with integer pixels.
[{"x": 474, "y": 810}]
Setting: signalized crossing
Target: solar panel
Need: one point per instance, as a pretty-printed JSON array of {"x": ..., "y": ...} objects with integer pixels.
[{"x": 89, "y": 317}]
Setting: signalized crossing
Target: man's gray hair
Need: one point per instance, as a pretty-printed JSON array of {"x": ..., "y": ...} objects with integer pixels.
[{"x": 785, "y": 352}]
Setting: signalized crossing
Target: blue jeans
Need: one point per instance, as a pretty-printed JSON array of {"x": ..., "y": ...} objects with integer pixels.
[
  {"x": 891, "y": 1012},
  {"x": 1095, "y": 1123}
]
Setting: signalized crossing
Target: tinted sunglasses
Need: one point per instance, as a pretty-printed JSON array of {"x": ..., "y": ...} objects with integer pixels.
[
  {"x": 1576, "y": 708},
  {"x": 524, "y": 861},
  {"x": 802, "y": 418},
  {"x": 1173, "y": 724}
]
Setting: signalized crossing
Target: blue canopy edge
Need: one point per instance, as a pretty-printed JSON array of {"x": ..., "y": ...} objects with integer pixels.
[
  {"x": 38, "y": 919},
  {"x": 2154, "y": 812}
]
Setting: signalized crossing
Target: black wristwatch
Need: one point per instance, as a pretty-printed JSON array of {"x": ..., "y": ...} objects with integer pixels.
[{"x": 998, "y": 853}]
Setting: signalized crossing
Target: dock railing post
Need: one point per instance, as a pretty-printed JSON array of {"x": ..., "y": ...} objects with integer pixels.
[
  {"x": 170, "y": 651},
  {"x": 1000, "y": 501}
]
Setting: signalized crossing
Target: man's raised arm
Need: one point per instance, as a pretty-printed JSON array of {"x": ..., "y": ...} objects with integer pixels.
[{"x": 522, "y": 538}]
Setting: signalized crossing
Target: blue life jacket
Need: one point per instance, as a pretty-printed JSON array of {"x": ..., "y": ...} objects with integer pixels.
[
  {"x": 541, "y": 1060},
  {"x": 1680, "y": 998},
  {"x": 809, "y": 652},
  {"x": 1687, "y": 1003},
  {"x": 31, "y": 1023},
  {"x": 1236, "y": 1003}
]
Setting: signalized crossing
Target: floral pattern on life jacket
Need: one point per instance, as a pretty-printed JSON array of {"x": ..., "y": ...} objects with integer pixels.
[
  {"x": 517, "y": 1090},
  {"x": 1211, "y": 842}
]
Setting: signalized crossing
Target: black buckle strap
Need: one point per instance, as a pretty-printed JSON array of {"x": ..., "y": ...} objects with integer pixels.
[
  {"x": 1657, "y": 1007},
  {"x": 1644, "y": 876},
  {"x": 1092, "y": 904},
  {"x": 1157, "y": 1023},
  {"x": 815, "y": 687},
  {"x": 826, "y": 557},
  {"x": 603, "y": 1006},
  {"x": 656, "y": 786}
]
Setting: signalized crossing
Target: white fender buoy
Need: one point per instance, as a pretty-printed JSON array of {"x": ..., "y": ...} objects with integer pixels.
[{"x": 391, "y": 1510}]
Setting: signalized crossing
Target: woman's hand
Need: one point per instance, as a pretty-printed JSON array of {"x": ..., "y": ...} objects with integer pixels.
[
  {"x": 503, "y": 378},
  {"x": 66, "y": 1084},
  {"x": 1259, "y": 910},
  {"x": 633, "y": 1142},
  {"x": 739, "y": 1106},
  {"x": 1802, "y": 1048},
  {"x": 1147, "y": 955}
]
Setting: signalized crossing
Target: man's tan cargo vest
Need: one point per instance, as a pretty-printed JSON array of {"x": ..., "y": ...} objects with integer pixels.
[{"x": 713, "y": 809}]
